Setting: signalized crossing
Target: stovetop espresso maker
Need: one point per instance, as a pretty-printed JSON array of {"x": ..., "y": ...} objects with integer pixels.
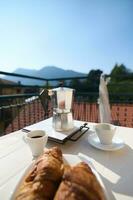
[{"x": 62, "y": 98}]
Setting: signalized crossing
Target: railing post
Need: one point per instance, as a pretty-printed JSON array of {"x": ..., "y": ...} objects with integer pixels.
[{"x": 47, "y": 84}]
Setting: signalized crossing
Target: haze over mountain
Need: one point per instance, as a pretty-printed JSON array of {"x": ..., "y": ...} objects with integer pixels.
[{"x": 46, "y": 72}]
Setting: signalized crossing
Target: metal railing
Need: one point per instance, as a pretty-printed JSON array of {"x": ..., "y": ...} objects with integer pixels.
[{"x": 20, "y": 110}]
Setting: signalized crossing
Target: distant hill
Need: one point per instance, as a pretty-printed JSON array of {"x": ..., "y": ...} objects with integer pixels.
[
  {"x": 25, "y": 71},
  {"x": 46, "y": 72}
]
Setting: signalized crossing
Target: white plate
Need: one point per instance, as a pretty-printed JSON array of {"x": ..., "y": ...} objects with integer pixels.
[
  {"x": 117, "y": 143},
  {"x": 69, "y": 159}
]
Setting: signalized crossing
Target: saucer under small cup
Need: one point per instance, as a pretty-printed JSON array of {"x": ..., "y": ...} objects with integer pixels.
[{"x": 117, "y": 143}]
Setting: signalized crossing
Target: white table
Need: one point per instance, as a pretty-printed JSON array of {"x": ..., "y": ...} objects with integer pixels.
[{"x": 115, "y": 168}]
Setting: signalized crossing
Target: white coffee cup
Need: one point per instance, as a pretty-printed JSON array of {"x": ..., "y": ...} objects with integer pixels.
[
  {"x": 105, "y": 132},
  {"x": 36, "y": 140}
]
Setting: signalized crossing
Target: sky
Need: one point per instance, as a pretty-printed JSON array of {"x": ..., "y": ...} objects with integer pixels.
[{"x": 72, "y": 34}]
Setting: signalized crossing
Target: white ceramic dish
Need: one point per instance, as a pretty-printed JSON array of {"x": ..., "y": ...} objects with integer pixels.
[
  {"x": 69, "y": 159},
  {"x": 117, "y": 143}
]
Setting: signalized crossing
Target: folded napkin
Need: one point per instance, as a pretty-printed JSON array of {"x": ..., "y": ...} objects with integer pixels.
[{"x": 104, "y": 107}]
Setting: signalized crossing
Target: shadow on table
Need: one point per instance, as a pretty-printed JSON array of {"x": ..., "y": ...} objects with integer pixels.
[
  {"x": 108, "y": 185},
  {"x": 121, "y": 187},
  {"x": 118, "y": 162}
]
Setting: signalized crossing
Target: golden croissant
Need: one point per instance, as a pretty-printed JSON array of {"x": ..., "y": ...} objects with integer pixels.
[
  {"x": 79, "y": 183},
  {"x": 43, "y": 180},
  {"x": 50, "y": 179}
]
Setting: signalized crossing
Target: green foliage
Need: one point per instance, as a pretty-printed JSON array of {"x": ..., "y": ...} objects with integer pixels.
[
  {"x": 120, "y": 86},
  {"x": 76, "y": 84},
  {"x": 119, "y": 73},
  {"x": 90, "y": 84},
  {"x": 93, "y": 80}
]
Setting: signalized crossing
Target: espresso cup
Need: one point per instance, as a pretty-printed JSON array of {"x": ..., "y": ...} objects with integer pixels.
[
  {"x": 105, "y": 132},
  {"x": 36, "y": 140}
]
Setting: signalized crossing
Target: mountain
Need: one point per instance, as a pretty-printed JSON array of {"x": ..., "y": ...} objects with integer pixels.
[
  {"x": 25, "y": 71},
  {"x": 47, "y": 72}
]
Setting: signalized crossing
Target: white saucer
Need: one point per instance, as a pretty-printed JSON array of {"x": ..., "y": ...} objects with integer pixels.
[{"x": 116, "y": 144}]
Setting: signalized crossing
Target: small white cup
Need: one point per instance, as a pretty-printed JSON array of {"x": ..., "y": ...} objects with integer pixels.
[
  {"x": 105, "y": 132},
  {"x": 37, "y": 140}
]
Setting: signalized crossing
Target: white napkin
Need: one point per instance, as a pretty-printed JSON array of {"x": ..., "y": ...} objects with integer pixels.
[{"x": 104, "y": 107}]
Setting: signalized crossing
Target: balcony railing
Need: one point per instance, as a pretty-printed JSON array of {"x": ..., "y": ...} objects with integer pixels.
[{"x": 20, "y": 110}]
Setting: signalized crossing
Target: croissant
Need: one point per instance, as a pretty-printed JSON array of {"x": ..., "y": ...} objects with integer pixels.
[
  {"x": 79, "y": 183},
  {"x": 43, "y": 180}
]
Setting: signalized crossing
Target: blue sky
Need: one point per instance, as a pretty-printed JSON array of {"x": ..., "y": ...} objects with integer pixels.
[{"x": 72, "y": 34}]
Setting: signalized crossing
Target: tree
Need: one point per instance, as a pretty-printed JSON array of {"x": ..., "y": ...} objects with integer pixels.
[
  {"x": 94, "y": 75},
  {"x": 121, "y": 82},
  {"x": 90, "y": 84},
  {"x": 93, "y": 80},
  {"x": 75, "y": 84},
  {"x": 119, "y": 73}
]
